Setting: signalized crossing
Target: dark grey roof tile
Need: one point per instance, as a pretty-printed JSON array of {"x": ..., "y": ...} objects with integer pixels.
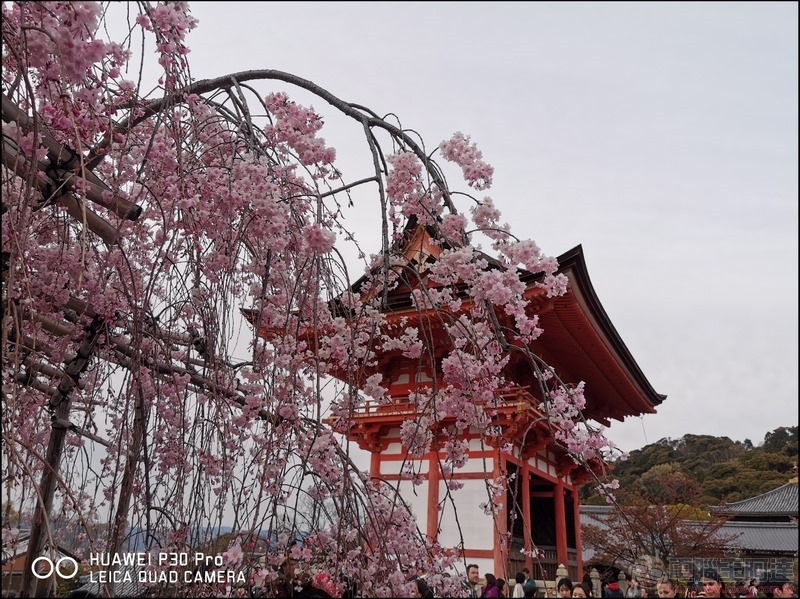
[{"x": 780, "y": 501}]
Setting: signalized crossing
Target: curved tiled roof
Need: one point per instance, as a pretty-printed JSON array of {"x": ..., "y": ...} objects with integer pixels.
[
  {"x": 778, "y": 502},
  {"x": 761, "y": 537},
  {"x": 768, "y": 537},
  {"x": 131, "y": 583}
]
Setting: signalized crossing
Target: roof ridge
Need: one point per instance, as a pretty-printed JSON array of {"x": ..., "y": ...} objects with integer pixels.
[{"x": 764, "y": 494}]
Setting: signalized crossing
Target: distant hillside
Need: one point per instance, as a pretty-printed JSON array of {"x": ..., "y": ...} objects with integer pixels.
[{"x": 726, "y": 470}]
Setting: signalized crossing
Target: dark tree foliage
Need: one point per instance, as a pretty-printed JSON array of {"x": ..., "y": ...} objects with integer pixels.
[
  {"x": 782, "y": 440},
  {"x": 723, "y": 470}
]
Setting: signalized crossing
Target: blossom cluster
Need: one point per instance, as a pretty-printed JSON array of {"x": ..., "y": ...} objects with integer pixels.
[{"x": 458, "y": 149}]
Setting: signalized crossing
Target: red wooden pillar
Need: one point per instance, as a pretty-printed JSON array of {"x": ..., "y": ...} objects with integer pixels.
[
  {"x": 526, "y": 514},
  {"x": 577, "y": 514},
  {"x": 561, "y": 524},
  {"x": 375, "y": 463},
  {"x": 434, "y": 476},
  {"x": 500, "y": 521}
]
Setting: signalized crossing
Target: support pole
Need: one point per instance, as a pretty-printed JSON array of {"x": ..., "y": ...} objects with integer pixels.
[{"x": 60, "y": 404}]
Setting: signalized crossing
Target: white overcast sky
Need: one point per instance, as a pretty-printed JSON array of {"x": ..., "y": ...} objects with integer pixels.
[{"x": 660, "y": 136}]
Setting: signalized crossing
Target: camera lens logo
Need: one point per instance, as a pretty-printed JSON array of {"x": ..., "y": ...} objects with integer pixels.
[{"x": 49, "y": 567}]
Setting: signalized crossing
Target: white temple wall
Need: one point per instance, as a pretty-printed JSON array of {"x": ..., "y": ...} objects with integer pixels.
[
  {"x": 476, "y": 527},
  {"x": 418, "y": 503},
  {"x": 395, "y": 466}
]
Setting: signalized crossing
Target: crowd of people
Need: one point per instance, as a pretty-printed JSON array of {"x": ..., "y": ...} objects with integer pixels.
[
  {"x": 691, "y": 582},
  {"x": 706, "y": 582},
  {"x": 524, "y": 586}
]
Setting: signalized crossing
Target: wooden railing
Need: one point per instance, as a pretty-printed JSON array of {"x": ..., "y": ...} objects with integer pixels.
[
  {"x": 545, "y": 568},
  {"x": 399, "y": 404}
]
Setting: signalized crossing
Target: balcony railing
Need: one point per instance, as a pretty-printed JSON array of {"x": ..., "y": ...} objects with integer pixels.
[{"x": 519, "y": 398}]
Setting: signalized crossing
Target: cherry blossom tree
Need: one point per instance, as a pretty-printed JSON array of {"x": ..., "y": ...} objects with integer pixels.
[{"x": 136, "y": 226}]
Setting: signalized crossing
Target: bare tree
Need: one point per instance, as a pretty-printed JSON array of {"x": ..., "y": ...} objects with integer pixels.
[{"x": 657, "y": 518}]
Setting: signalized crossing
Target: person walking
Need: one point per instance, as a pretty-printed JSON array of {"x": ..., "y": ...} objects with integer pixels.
[
  {"x": 581, "y": 591},
  {"x": 666, "y": 588},
  {"x": 710, "y": 584},
  {"x": 472, "y": 580},
  {"x": 491, "y": 590},
  {"x": 612, "y": 588},
  {"x": 564, "y": 587},
  {"x": 529, "y": 586},
  {"x": 633, "y": 591},
  {"x": 519, "y": 587}
]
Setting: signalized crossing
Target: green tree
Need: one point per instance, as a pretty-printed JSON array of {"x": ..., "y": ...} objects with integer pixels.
[
  {"x": 782, "y": 440},
  {"x": 697, "y": 452},
  {"x": 765, "y": 461},
  {"x": 667, "y": 484},
  {"x": 726, "y": 470}
]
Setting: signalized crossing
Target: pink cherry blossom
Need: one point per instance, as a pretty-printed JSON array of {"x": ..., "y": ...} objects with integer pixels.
[
  {"x": 458, "y": 149},
  {"x": 177, "y": 208},
  {"x": 319, "y": 240}
]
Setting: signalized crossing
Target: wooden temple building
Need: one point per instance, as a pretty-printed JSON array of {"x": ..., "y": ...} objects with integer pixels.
[
  {"x": 581, "y": 343},
  {"x": 763, "y": 529}
]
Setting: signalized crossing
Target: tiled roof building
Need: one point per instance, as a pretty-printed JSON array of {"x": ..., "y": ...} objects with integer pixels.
[
  {"x": 777, "y": 505},
  {"x": 773, "y": 538},
  {"x": 761, "y": 528}
]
